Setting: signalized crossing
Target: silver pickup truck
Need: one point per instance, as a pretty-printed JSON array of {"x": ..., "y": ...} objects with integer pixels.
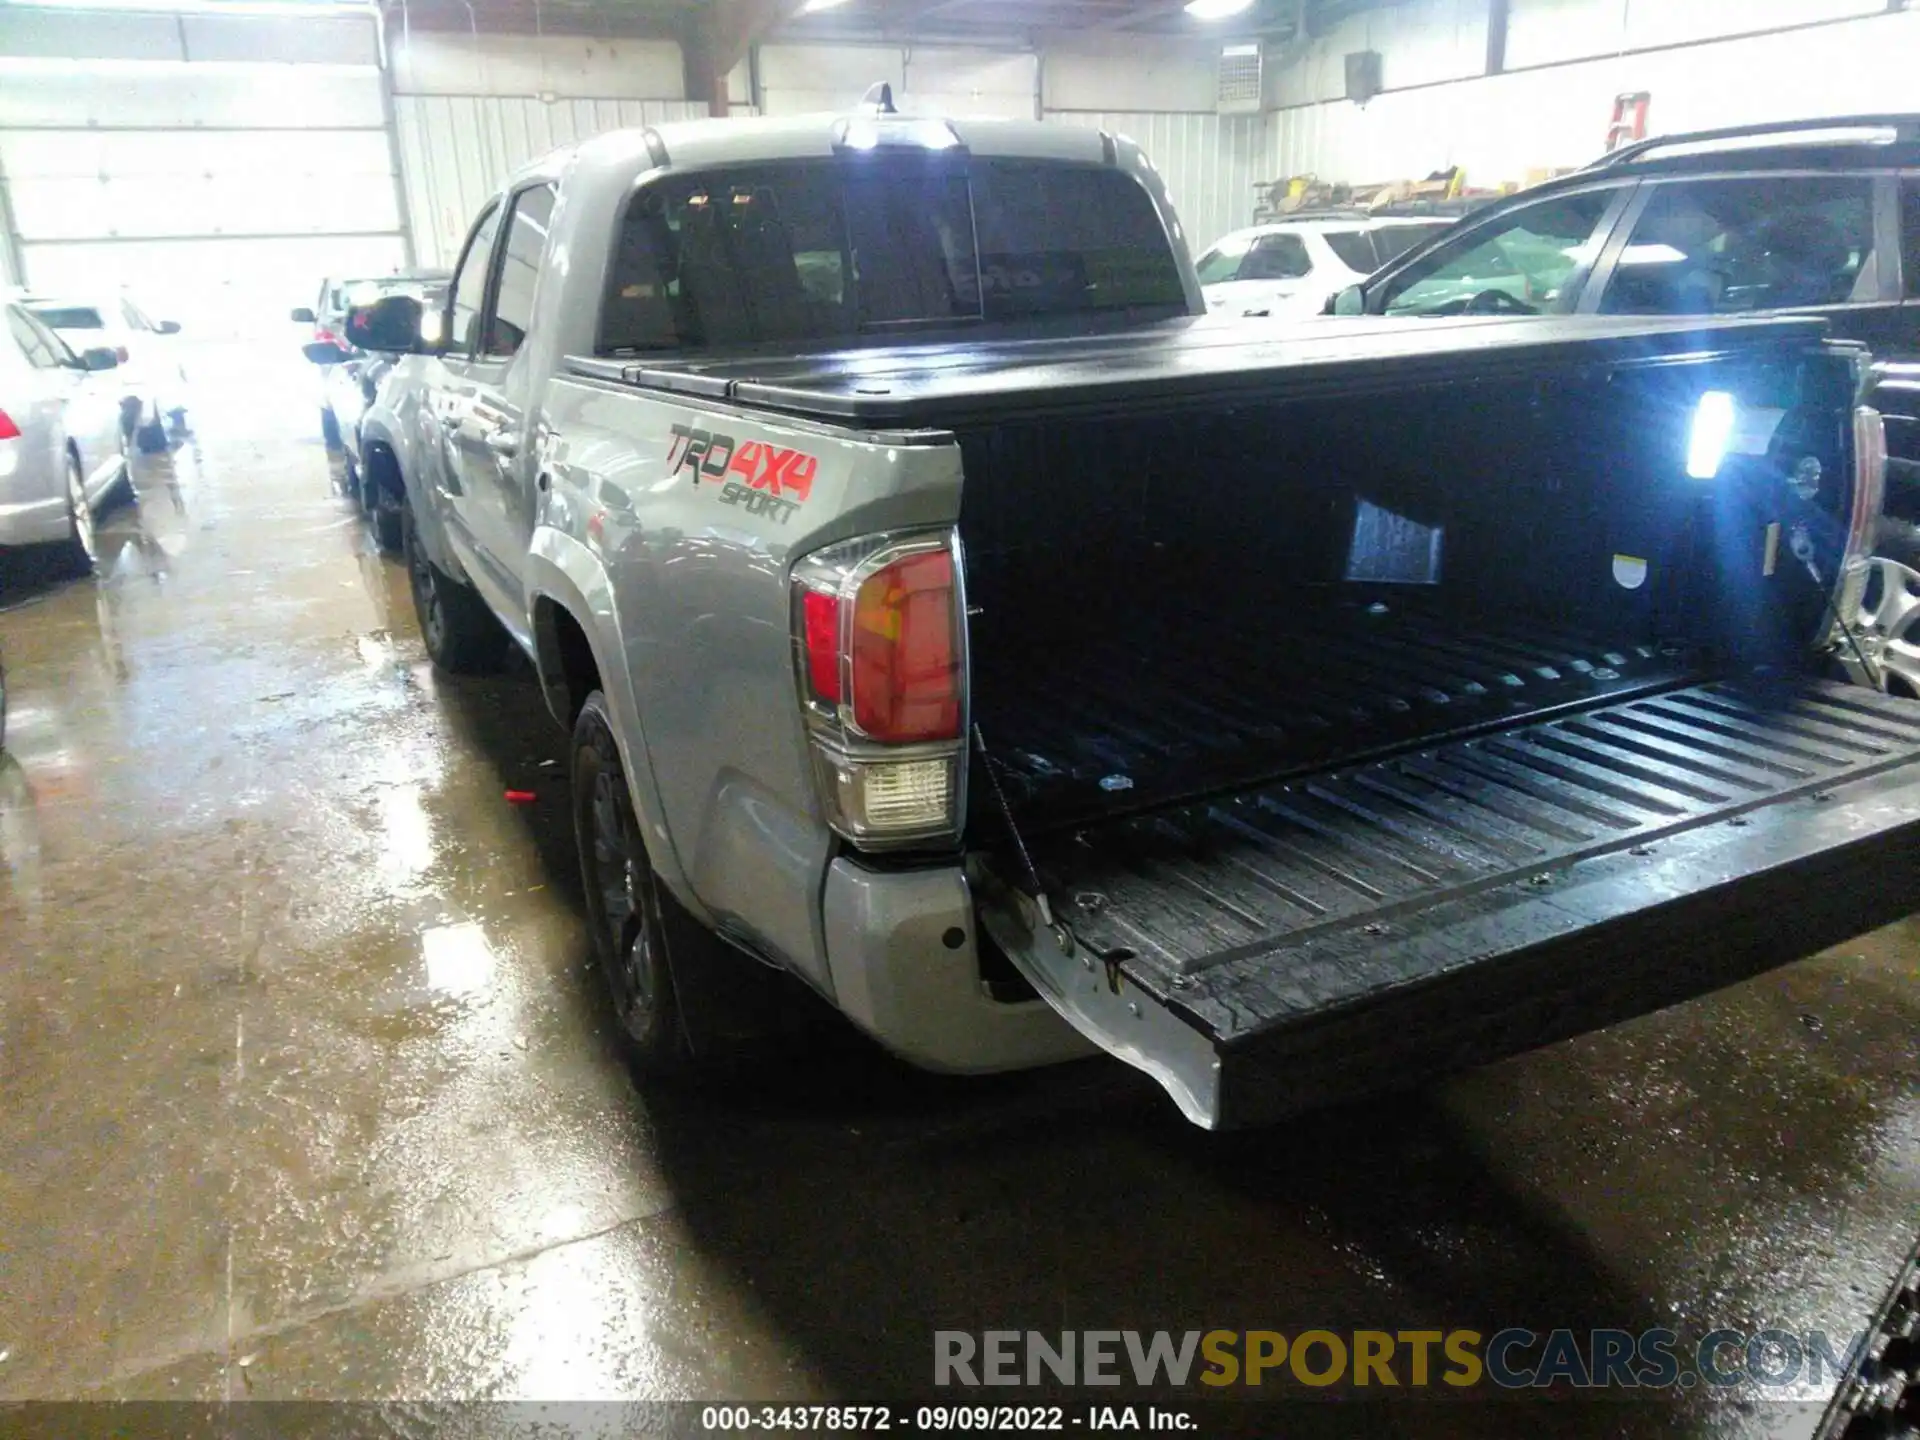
[{"x": 947, "y": 614}]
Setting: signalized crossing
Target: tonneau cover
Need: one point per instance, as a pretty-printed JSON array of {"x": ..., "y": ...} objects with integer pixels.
[{"x": 957, "y": 383}]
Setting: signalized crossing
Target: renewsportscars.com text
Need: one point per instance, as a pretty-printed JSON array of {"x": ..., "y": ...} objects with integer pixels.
[{"x": 1510, "y": 1359}]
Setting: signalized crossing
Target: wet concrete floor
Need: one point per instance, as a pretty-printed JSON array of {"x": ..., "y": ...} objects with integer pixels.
[{"x": 308, "y": 1091}]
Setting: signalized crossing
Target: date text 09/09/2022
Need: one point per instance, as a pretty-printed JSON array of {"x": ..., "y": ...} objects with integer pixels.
[{"x": 979, "y": 1419}]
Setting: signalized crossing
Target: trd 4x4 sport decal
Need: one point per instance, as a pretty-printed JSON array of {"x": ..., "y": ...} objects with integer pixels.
[{"x": 762, "y": 478}]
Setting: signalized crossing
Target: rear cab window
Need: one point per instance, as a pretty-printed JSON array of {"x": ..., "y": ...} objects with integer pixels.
[{"x": 862, "y": 250}]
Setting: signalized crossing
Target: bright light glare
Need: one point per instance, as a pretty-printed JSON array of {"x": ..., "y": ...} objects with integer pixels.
[
  {"x": 1707, "y": 446},
  {"x": 1652, "y": 255},
  {"x": 1216, "y": 9},
  {"x": 814, "y": 7}
]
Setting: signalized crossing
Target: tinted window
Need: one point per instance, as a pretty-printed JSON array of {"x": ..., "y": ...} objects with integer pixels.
[
  {"x": 1222, "y": 263},
  {"x": 43, "y": 352},
  {"x": 1910, "y": 233},
  {"x": 1354, "y": 249},
  {"x": 816, "y": 250},
  {"x": 70, "y": 317},
  {"x": 1529, "y": 262},
  {"x": 1726, "y": 246},
  {"x": 1390, "y": 242},
  {"x": 519, "y": 269},
  {"x": 470, "y": 284},
  {"x": 1276, "y": 257}
]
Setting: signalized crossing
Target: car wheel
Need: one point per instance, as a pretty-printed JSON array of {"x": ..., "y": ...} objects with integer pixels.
[
  {"x": 78, "y": 550},
  {"x": 626, "y": 904},
  {"x": 461, "y": 634},
  {"x": 123, "y": 488},
  {"x": 151, "y": 437},
  {"x": 329, "y": 427},
  {"x": 386, "y": 509}
]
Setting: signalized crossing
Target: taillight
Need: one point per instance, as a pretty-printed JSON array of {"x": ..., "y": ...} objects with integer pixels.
[
  {"x": 120, "y": 353},
  {"x": 821, "y": 625},
  {"x": 906, "y": 674},
  {"x": 8, "y": 430},
  {"x": 880, "y": 647}
]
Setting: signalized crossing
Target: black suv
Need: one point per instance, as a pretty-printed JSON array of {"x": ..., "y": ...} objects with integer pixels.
[{"x": 1819, "y": 216}]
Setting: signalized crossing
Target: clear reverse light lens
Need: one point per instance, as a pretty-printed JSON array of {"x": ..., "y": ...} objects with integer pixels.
[{"x": 1707, "y": 445}]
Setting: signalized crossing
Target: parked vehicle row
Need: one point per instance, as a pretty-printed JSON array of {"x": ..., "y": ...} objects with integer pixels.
[
  {"x": 979, "y": 637},
  {"x": 151, "y": 373},
  {"x": 63, "y": 445}
]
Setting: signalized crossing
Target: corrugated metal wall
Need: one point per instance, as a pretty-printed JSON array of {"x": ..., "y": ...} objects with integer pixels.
[
  {"x": 1501, "y": 127},
  {"x": 455, "y": 150},
  {"x": 1209, "y": 162}
]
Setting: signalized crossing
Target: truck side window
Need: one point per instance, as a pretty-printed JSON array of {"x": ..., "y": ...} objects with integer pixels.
[
  {"x": 1528, "y": 262},
  {"x": 1222, "y": 262},
  {"x": 1718, "y": 247},
  {"x": 519, "y": 269},
  {"x": 1910, "y": 233},
  {"x": 470, "y": 283}
]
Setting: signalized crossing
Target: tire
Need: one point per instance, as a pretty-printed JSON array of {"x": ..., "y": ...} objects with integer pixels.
[
  {"x": 151, "y": 437},
  {"x": 124, "y": 491},
  {"x": 386, "y": 509},
  {"x": 461, "y": 634},
  {"x": 330, "y": 427},
  {"x": 77, "y": 552},
  {"x": 627, "y": 907}
]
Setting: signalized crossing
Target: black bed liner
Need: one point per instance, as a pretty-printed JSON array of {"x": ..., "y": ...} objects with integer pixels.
[
  {"x": 1385, "y": 921},
  {"x": 963, "y": 382}
]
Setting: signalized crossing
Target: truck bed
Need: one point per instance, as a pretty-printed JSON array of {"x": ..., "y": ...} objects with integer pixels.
[
  {"x": 1455, "y": 902},
  {"x": 953, "y": 380}
]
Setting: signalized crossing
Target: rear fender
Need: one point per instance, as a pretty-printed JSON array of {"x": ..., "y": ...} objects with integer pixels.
[{"x": 564, "y": 574}]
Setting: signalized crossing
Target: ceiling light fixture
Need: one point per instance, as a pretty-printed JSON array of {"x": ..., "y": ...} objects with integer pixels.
[
  {"x": 814, "y": 7},
  {"x": 1217, "y": 9}
]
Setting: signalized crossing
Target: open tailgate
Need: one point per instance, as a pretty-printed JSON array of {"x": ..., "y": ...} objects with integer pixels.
[{"x": 1372, "y": 925}]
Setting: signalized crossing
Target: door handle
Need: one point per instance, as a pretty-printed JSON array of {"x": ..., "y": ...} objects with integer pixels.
[{"x": 504, "y": 442}]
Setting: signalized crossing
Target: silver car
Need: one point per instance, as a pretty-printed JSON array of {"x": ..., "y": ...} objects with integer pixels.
[{"x": 62, "y": 449}]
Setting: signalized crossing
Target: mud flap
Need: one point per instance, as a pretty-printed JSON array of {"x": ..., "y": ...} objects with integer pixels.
[{"x": 1292, "y": 946}]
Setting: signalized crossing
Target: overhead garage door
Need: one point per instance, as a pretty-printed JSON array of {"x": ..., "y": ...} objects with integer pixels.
[{"x": 212, "y": 182}]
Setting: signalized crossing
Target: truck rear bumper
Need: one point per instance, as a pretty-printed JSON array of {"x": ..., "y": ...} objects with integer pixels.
[{"x": 896, "y": 976}]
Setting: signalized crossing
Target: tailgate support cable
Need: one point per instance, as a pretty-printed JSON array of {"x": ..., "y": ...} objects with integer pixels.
[
  {"x": 1800, "y": 545},
  {"x": 1039, "y": 894}
]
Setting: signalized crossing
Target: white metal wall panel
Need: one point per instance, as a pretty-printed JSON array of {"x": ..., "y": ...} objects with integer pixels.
[
  {"x": 428, "y": 63},
  {"x": 811, "y": 79},
  {"x": 1209, "y": 163},
  {"x": 1499, "y": 128},
  {"x": 1542, "y": 32},
  {"x": 456, "y": 150},
  {"x": 131, "y": 94}
]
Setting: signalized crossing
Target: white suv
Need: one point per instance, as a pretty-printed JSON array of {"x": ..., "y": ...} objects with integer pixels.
[{"x": 1291, "y": 267}]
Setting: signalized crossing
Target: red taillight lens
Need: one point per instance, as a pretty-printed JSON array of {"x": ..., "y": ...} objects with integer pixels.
[
  {"x": 906, "y": 670},
  {"x": 8, "y": 430},
  {"x": 820, "y": 615}
]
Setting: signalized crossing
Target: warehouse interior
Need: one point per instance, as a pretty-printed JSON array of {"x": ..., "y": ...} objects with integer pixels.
[{"x": 313, "y": 1092}]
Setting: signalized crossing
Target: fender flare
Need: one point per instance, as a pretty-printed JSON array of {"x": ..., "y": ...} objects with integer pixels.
[
  {"x": 564, "y": 575},
  {"x": 389, "y": 428}
]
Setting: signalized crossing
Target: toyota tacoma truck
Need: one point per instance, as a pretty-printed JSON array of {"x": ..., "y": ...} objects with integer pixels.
[{"x": 949, "y": 615}]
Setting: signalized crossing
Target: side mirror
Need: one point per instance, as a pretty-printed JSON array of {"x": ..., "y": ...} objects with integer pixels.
[
  {"x": 168, "y": 327},
  {"x": 303, "y": 316},
  {"x": 325, "y": 352},
  {"x": 1350, "y": 301},
  {"x": 100, "y": 357},
  {"x": 393, "y": 325}
]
